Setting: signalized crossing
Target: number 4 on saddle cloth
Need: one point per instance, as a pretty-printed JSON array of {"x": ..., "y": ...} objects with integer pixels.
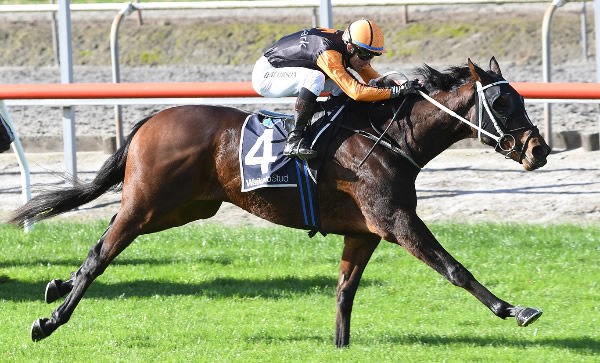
[{"x": 262, "y": 163}]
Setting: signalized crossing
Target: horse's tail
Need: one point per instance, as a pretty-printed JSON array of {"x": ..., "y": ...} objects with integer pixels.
[{"x": 51, "y": 203}]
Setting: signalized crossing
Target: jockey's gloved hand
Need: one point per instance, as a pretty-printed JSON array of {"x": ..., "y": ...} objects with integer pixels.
[{"x": 406, "y": 88}]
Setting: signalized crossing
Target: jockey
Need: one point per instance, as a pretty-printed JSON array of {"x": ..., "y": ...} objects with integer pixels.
[{"x": 312, "y": 61}]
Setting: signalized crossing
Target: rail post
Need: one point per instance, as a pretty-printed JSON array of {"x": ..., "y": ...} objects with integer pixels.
[
  {"x": 116, "y": 72},
  {"x": 584, "y": 38},
  {"x": 546, "y": 45},
  {"x": 22, "y": 160},
  {"x": 326, "y": 20},
  {"x": 66, "y": 76},
  {"x": 597, "y": 34}
]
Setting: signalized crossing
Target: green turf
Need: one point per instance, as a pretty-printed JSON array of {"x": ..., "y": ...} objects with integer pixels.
[{"x": 209, "y": 293}]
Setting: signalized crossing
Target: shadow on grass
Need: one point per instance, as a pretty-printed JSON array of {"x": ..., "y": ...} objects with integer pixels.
[
  {"x": 583, "y": 344},
  {"x": 75, "y": 262},
  {"x": 276, "y": 288}
]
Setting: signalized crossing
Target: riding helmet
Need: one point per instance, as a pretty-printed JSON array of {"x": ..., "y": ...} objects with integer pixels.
[{"x": 365, "y": 34}]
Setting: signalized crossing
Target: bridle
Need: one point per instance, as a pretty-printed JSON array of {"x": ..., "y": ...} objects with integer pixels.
[
  {"x": 482, "y": 103},
  {"x": 502, "y": 134}
]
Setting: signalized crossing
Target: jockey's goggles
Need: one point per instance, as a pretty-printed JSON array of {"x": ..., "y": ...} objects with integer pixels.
[{"x": 365, "y": 54}]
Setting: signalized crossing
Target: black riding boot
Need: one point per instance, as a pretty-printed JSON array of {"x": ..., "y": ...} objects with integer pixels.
[{"x": 295, "y": 144}]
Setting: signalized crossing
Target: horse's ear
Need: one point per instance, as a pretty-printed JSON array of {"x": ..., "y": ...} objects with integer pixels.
[
  {"x": 478, "y": 74},
  {"x": 494, "y": 67},
  {"x": 474, "y": 70}
]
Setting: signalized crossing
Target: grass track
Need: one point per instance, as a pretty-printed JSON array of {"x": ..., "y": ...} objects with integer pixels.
[{"x": 250, "y": 294}]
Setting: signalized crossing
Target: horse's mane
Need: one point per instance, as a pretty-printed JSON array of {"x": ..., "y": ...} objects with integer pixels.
[
  {"x": 436, "y": 81},
  {"x": 443, "y": 81}
]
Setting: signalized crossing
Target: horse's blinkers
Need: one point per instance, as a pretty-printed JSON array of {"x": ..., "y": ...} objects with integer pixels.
[{"x": 502, "y": 104}]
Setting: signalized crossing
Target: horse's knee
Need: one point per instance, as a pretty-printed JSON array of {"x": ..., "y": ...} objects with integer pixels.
[{"x": 459, "y": 276}]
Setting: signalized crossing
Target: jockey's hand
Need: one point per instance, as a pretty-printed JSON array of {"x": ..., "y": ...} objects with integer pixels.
[{"x": 406, "y": 88}]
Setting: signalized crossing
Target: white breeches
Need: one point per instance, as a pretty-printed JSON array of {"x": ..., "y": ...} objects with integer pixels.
[{"x": 269, "y": 81}]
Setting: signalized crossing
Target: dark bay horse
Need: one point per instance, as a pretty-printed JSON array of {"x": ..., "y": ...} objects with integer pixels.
[{"x": 182, "y": 163}]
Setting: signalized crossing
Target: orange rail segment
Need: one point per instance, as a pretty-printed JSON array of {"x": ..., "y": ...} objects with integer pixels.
[
  {"x": 552, "y": 90},
  {"x": 126, "y": 90},
  {"x": 236, "y": 89}
]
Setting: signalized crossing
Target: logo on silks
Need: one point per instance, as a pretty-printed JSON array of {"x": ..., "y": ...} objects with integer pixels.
[{"x": 262, "y": 162}]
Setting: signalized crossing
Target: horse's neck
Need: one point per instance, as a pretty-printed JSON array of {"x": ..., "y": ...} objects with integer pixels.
[
  {"x": 427, "y": 131},
  {"x": 434, "y": 130}
]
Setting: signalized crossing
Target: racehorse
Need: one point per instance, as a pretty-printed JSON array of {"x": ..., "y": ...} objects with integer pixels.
[{"x": 179, "y": 166}]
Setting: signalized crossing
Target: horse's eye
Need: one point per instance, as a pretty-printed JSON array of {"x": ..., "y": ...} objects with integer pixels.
[{"x": 501, "y": 104}]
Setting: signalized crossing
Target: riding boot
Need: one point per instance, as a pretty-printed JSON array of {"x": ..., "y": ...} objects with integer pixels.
[{"x": 295, "y": 143}]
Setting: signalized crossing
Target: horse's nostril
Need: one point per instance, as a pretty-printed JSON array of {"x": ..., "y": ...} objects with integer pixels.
[{"x": 540, "y": 152}]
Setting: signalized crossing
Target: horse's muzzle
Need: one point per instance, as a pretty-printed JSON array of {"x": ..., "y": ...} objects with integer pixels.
[
  {"x": 534, "y": 152},
  {"x": 527, "y": 148}
]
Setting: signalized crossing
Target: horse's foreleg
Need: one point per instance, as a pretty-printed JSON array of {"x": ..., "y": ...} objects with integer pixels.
[
  {"x": 415, "y": 237},
  {"x": 99, "y": 257},
  {"x": 58, "y": 288},
  {"x": 357, "y": 252}
]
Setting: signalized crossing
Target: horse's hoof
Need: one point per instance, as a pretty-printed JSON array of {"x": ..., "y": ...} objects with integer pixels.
[
  {"x": 37, "y": 332},
  {"x": 527, "y": 316},
  {"x": 52, "y": 292}
]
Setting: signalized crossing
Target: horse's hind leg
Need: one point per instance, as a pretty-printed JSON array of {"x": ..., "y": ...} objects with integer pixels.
[
  {"x": 120, "y": 233},
  {"x": 357, "y": 252},
  {"x": 58, "y": 288},
  {"x": 112, "y": 242}
]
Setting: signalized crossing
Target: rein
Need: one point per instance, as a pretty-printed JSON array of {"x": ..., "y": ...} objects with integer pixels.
[
  {"x": 502, "y": 135},
  {"x": 388, "y": 145},
  {"x": 382, "y": 135},
  {"x": 459, "y": 117},
  {"x": 380, "y": 140}
]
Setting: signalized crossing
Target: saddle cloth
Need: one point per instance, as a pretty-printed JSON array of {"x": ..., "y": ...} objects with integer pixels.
[
  {"x": 262, "y": 163},
  {"x": 261, "y": 153}
]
